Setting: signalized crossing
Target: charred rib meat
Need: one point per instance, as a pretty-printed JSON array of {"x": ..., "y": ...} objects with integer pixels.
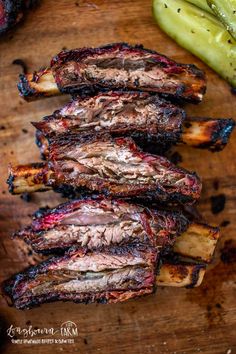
[
  {"x": 121, "y": 66},
  {"x": 109, "y": 275},
  {"x": 102, "y": 222},
  {"x": 146, "y": 118},
  {"x": 115, "y": 66},
  {"x": 155, "y": 124},
  {"x": 118, "y": 168},
  {"x": 114, "y": 167}
]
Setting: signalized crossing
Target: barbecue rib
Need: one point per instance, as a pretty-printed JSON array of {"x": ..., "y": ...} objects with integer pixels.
[
  {"x": 99, "y": 223},
  {"x": 109, "y": 275},
  {"x": 151, "y": 121},
  {"x": 12, "y": 12},
  {"x": 96, "y": 223},
  {"x": 114, "y": 167},
  {"x": 115, "y": 66},
  {"x": 201, "y": 133}
]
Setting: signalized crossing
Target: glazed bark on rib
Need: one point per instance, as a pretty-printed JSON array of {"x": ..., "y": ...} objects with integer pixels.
[
  {"x": 121, "y": 66},
  {"x": 146, "y": 118},
  {"x": 102, "y": 222},
  {"x": 110, "y": 275},
  {"x": 116, "y": 167}
]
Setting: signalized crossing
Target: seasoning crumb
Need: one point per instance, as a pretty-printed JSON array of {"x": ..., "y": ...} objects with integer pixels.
[
  {"x": 217, "y": 203},
  {"x": 165, "y": 6},
  {"x": 225, "y": 223},
  {"x": 233, "y": 90},
  {"x": 216, "y": 184},
  {"x": 187, "y": 124},
  {"x": 228, "y": 252},
  {"x": 229, "y": 351},
  {"x": 25, "y": 131},
  {"x": 178, "y": 11},
  {"x": 176, "y": 158}
]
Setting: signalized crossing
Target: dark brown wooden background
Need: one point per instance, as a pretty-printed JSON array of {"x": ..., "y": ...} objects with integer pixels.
[{"x": 173, "y": 320}]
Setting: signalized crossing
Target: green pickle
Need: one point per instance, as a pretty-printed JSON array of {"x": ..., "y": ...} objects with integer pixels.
[
  {"x": 202, "y": 4},
  {"x": 200, "y": 33},
  {"x": 225, "y": 10}
]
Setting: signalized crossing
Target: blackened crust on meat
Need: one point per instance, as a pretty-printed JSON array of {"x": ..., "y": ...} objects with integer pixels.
[
  {"x": 111, "y": 275},
  {"x": 221, "y": 134},
  {"x": 120, "y": 113},
  {"x": 24, "y": 87},
  {"x": 102, "y": 222},
  {"x": 12, "y": 12},
  {"x": 153, "y": 143},
  {"x": 151, "y": 121},
  {"x": 120, "y": 66},
  {"x": 106, "y": 297},
  {"x": 116, "y": 167},
  {"x": 42, "y": 143}
]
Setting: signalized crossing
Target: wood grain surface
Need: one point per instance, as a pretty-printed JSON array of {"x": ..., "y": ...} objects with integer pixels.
[{"x": 202, "y": 320}]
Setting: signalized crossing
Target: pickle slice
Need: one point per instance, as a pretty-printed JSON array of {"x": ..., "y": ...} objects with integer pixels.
[
  {"x": 199, "y": 32},
  {"x": 225, "y": 10},
  {"x": 202, "y": 4}
]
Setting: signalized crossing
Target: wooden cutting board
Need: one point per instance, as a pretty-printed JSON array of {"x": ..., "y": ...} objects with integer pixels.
[{"x": 201, "y": 320}]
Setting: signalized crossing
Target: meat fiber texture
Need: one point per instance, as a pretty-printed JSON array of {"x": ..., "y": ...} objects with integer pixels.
[
  {"x": 102, "y": 222},
  {"x": 148, "y": 119},
  {"x": 110, "y": 275},
  {"x": 116, "y": 167},
  {"x": 121, "y": 66}
]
